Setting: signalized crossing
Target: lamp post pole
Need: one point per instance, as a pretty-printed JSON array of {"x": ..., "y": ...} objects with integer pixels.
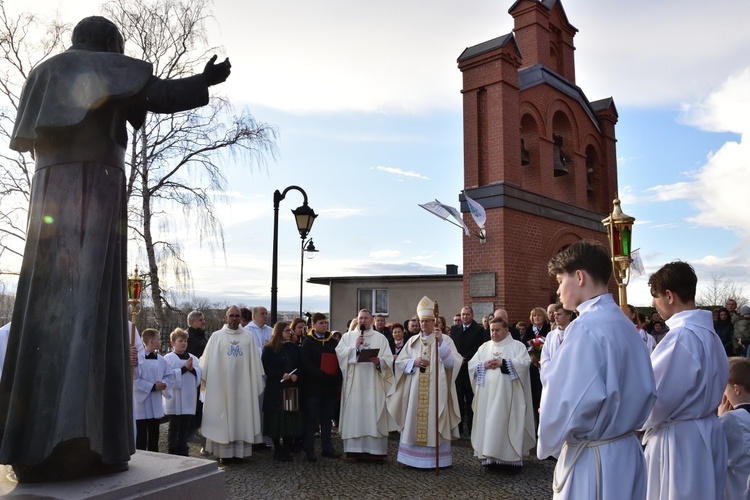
[
  {"x": 619, "y": 231},
  {"x": 307, "y": 246},
  {"x": 304, "y": 217}
]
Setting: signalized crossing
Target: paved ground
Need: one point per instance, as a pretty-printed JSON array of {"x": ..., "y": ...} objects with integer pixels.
[{"x": 261, "y": 477}]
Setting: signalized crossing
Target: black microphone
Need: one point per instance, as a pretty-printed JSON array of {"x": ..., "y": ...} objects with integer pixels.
[{"x": 362, "y": 330}]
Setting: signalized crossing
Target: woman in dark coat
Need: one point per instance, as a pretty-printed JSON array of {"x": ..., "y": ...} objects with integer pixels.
[
  {"x": 725, "y": 329},
  {"x": 282, "y": 419}
]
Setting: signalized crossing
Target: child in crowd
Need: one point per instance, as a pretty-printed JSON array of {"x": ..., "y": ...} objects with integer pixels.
[
  {"x": 734, "y": 415},
  {"x": 151, "y": 379},
  {"x": 181, "y": 406}
]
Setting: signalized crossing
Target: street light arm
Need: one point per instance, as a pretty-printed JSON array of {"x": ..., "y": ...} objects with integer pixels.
[{"x": 278, "y": 195}]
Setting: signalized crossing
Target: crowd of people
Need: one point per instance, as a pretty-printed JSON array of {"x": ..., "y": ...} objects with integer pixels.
[{"x": 629, "y": 407}]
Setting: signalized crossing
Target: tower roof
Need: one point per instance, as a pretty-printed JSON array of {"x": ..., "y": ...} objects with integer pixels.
[
  {"x": 548, "y": 4},
  {"x": 488, "y": 46}
]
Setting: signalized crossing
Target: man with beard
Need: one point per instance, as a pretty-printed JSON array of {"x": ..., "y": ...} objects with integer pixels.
[{"x": 233, "y": 380}]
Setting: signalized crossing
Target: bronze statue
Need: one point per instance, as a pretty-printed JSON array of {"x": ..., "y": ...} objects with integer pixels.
[{"x": 65, "y": 393}]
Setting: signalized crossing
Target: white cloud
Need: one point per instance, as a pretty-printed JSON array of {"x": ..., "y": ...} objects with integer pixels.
[
  {"x": 719, "y": 189},
  {"x": 399, "y": 172}
]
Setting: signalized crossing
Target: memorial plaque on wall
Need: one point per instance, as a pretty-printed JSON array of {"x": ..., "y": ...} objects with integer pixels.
[
  {"x": 482, "y": 285},
  {"x": 482, "y": 309}
]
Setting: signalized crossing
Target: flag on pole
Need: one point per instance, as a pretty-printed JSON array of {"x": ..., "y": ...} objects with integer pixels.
[
  {"x": 457, "y": 215},
  {"x": 436, "y": 208},
  {"x": 445, "y": 211},
  {"x": 636, "y": 267},
  {"x": 477, "y": 211}
]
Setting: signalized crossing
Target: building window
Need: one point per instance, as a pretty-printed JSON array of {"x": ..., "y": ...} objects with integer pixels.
[{"x": 374, "y": 299}]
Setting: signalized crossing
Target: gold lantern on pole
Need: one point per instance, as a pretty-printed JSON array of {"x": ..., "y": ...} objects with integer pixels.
[
  {"x": 135, "y": 287},
  {"x": 619, "y": 231}
]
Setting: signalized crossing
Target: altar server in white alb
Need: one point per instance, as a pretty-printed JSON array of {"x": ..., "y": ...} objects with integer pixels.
[
  {"x": 152, "y": 380},
  {"x": 562, "y": 318},
  {"x": 412, "y": 400},
  {"x": 364, "y": 421},
  {"x": 233, "y": 378},
  {"x": 686, "y": 451},
  {"x": 597, "y": 389},
  {"x": 734, "y": 415},
  {"x": 503, "y": 429},
  {"x": 181, "y": 406}
]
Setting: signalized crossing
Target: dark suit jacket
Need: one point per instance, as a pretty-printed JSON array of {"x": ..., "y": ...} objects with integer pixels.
[{"x": 468, "y": 342}]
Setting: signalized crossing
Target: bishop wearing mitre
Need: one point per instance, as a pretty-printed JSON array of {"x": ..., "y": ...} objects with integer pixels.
[{"x": 426, "y": 412}]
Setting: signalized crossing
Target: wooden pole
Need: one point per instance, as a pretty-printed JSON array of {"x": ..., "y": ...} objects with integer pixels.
[{"x": 437, "y": 410}]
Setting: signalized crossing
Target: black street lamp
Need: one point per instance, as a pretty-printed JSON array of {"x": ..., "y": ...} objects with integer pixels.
[
  {"x": 304, "y": 216},
  {"x": 307, "y": 246}
]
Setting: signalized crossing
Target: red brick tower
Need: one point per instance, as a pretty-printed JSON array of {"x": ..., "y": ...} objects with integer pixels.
[{"x": 538, "y": 156}]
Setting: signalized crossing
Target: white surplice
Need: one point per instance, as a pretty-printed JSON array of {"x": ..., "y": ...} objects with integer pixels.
[
  {"x": 233, "y": 376},
  {"x": 364, "y": 421},
  {"x": 147, "y": 402},
  {"x": 503, "y": 428},
  {"x": 597, "y": 390},
  {"x": 551, "y": 345},
  {"x": 184, "y": 394},
  {"x": 736, "y": 425},
  {"x": 686, "y": 452},
  {"x": 403, "y": 402}
]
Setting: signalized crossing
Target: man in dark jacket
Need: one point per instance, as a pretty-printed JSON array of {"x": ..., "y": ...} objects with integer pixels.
[
  {"x": 196, "y": 344},
  {"x": 321, "y": 387},
  {"x": 468, "y": 337}
]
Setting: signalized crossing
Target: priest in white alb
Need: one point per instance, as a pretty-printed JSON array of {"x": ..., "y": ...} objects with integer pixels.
[
  {"x": 426, "y": 431},
  {"x": 233, "y": 381},
  {"x": 503, "y": 429},
  {"x": 366, "y": 363}
]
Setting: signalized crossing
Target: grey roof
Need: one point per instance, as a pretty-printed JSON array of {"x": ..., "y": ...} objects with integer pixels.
[
  {"x": 603, "y": 104},
  {"x": 392, "y": 277},
  {"x": 538, "y": 73},
  {"x": 488, "y": 46}
]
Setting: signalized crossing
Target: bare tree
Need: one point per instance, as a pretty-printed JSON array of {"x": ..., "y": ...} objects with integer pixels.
[
  {"x": 25, "y": 40},
  {"x": 173, "y": 166},
  {"x": 174, "y": 159},
  {"x": 716, "y": 292}
]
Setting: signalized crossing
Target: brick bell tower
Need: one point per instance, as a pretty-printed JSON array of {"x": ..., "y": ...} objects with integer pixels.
[{"x": 538, "y": 156}]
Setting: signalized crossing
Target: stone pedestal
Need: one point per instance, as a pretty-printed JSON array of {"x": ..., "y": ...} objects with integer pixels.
[{"x": 151, "y": 475}]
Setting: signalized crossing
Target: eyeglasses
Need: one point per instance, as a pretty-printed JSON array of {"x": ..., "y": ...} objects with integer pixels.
[{"x": 233, "y": 315}]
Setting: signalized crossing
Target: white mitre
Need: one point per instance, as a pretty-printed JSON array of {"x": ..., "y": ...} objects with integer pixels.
[{"x": 426, "y": 308}]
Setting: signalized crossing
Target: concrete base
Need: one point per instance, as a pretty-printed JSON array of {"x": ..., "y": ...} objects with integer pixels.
[{"x": 151, "y": 475}]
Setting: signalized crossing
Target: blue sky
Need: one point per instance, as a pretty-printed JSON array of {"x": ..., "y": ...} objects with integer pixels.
[{"x": 367, "y": 102}]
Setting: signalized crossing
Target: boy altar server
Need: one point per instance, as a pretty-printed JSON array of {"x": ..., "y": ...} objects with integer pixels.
[
  {"x": 734, "y": 415},
  {"x": 412, "y": 401},
  {"x": 686, "y": 451},
  {"x": 152, "y": 379},
  {"x": 181, "y": 407},
  {"x": 597, "y": 389},
  {"x": 503, "y": 430}
]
